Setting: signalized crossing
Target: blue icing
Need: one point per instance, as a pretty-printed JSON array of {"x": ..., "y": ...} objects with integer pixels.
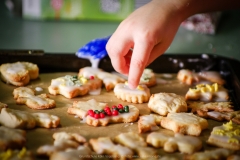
[{"x": 95, "y": 49}]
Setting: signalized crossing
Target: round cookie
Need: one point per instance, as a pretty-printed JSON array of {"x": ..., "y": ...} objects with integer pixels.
[{"x": 164, "y": 103}]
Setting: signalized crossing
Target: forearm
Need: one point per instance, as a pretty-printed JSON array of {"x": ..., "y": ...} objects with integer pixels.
[{"x": 188, "y": 8}]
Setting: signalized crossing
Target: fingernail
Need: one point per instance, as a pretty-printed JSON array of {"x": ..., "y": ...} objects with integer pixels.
[{"x": 131, "y": 86}]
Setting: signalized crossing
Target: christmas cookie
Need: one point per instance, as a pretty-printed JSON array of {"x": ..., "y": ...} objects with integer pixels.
[
  {"x": 139, "y": 95},
  {"x": 187, "y": 76},
  {"x": 62, "y": 141},
  {"x": 19, "y": 73},
  {"x": 183, "y": 143},
  {"x": 3, "y": 105},
  {"x": 80, "y": 108},
  {"x": 17, "y": 154},
  {"x": 222, "y": 116},
  {"x": 147, "y": 123},
  {"x": 148, "y": 78},
  {"x": 212, "y": 76},
  {"x": 226, "y": 136},
  {"x": 137, "y": 143},
  {"x": 114, "y": 114},
  {"x": 164, "y": 103},
  {"x": 109, "y": 80},
  {"x": 207, "y": 93},
  {"x": 104, "y": 145},
  {"x": 25, "y": 95},
  {"x": 185, "y": 123},
  {"x": 24, "y": 120},
  {"x": 73, "y": 86},
  {"x": 11, "y": 138}
]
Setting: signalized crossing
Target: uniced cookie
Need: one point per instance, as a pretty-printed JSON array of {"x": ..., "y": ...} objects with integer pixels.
[
  {"x": 185, "y": 123},
  {"x": 226, "y": 136},
  {"x": 139, "y": 95},
  {"x": 19, "y": 73},
  {"x": 164, "y": 103}
]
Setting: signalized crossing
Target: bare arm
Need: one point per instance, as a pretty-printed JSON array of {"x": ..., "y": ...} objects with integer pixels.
[{"x": 149, "y": 31}]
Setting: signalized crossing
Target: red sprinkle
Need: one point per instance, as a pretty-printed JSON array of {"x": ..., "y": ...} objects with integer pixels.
[
  {"x": 91, "y": 77},
  {"x": 96, "y": 116},
  {"x": 91, "y": 113},
  {"x": 102, "y": 115},
  {"x": 114, "y": 112},
  {"x": 120, "y": 106},
  {"x": 107, "y": 109},
  {"x": 113, "y": 107}
]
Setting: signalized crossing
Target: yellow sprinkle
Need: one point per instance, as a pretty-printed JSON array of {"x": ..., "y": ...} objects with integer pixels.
[
  {"x": 203, "y": 89},
  {"x": 215, "y": 86},
  {"x": 6, "y": 155},
  {"x": 83, "y": 80},
  {"x": 126, "y": 83},
  {"x": 209, "y": 88},
  {"x": 22, "y": 152},
  {"x": 193, "y": 90},
  {"x": 140, "y": 87}
]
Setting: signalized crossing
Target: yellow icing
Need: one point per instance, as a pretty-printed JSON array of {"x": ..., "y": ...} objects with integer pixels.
[
  {"x": 230, "y": 130},
  {"x": 83, "y": 80},
  {"x": 22, "y": 152},
  {"x": 140, "y": 87},
  {"x": 233, "y": 140},
  {"x": 6, "y": 155},
  {"x": 205, "y": 88}
]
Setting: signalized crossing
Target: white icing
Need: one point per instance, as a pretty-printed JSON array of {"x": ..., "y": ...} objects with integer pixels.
[
  {"x": 95, "y": 92},
  {"x": 15, "y": 68},
  {"x": 38, "y": 89},
  {"x": 123, "y": 88}
]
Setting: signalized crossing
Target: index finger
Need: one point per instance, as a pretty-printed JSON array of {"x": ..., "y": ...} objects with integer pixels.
[{"x": 138, "y": 63}]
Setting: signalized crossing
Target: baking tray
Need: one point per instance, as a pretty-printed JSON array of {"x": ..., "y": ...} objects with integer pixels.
[{"x": 167, "y": 63}]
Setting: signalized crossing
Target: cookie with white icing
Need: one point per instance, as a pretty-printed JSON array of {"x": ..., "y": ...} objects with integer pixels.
[
  {"x": 73, "y": 86},
  {"x": 147, "y": 123},
  {"x": 148, "y": 78},
  {"x": 104, "y": 145},
  {"x": 63, "y": 141},
  {"x": 207, "y": 93},
  {"x": 183, "y": 143},
  {"x": 185, "y": 123},
  {"x": 11, "y": 138},
  {"x": 125, "y": 117},
  {"x": 164, "y": 103},
  {"x": 17, "y": 154},
  {"x": 3, "y": 105},
  {"x": 109, "y": 80},
  {"x": 219, "y": 153},
  {"x": 24, "y": 120},
  {"x": 25, "y": 95},
  {"x": 19, "y": 73},
  {"x": 226, "y": 136},
  {"x": 187, "y": 76},
  {"x": 224, "y": 116},
  {"x": 80, "y": 108},
  {"x": 81, "y": 153},
  {"x": 137, "y": 143},
  {"x": 212, "y": 76},
  {"x": 139, "y": 95}
]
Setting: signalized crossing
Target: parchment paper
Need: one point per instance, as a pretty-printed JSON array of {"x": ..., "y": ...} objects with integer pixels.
[{"x": 69, "y": 123}]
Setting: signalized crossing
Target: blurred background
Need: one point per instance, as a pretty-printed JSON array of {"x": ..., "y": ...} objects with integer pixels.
[{"x": 63, "y": 26}]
